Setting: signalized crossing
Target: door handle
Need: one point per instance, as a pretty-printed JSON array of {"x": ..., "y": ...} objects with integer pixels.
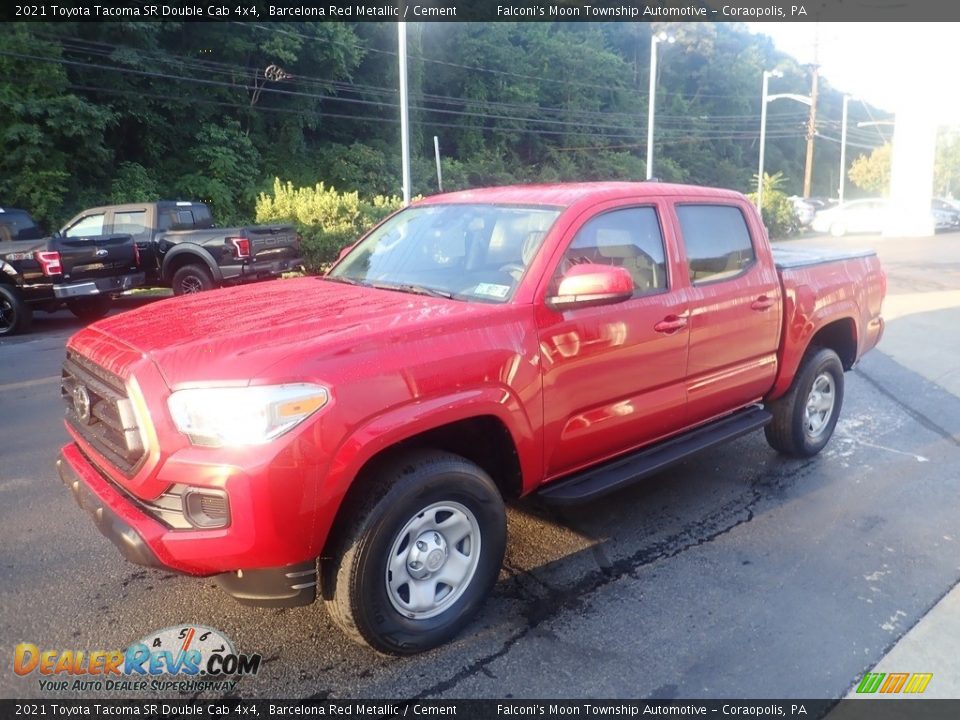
[
  {"x": 670, "y": 324},
  {"x": 762, "y": 303}
]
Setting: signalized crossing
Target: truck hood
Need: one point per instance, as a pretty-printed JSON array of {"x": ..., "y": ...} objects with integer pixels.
[{"x": 236, "y": 334}]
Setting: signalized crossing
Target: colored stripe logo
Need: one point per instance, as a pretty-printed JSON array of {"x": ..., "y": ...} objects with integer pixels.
[{"x": 894, "y": 683}]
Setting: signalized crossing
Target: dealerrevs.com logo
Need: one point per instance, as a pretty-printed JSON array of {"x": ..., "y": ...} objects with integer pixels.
[{"x": 185, "y": 658}]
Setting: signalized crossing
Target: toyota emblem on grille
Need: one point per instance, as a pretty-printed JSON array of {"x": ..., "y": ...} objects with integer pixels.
[
  {"x": 81, "y": 403},
  {"x": 100, "y": 252}
]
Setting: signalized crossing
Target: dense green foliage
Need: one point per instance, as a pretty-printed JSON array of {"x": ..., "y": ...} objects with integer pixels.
[
  {"x": 778, "y": 212},
  {"x": 97, "y": 112},
  {"x": 326, "y": 219}
]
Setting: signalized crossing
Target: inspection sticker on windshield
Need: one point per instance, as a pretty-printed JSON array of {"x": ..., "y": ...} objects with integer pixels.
[{"x": 492, "y": 290}]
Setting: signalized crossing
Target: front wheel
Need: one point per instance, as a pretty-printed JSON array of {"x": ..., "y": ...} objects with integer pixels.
[
  {"x": 804, "y": 418},
  {"x": 91, "y": 308},
  {"x": 838, "y": 229},
  {"x": 424, "y": 549}
]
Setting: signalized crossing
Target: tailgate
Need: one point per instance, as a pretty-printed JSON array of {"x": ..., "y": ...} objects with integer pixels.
[
  {"x": 273, "y": 242},
  {"x": 95, "y": 257}
]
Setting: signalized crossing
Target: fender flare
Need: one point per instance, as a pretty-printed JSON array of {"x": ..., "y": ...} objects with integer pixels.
[
  {"x": 198, "y": 252},
  {"x": 387, "y": 429},
  {"x": 806, "y": 323}
]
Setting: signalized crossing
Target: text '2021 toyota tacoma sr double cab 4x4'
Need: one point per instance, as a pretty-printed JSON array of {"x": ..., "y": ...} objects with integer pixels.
[{"x": 359, "y": 432}]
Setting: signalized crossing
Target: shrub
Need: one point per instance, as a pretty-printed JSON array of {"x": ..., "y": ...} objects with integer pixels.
[
  {"x": 328, "y": 220},
  {"x": 778, "y": 212}
]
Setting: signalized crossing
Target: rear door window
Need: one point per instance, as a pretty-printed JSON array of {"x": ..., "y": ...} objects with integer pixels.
[
  {"x": 130, "y": 222},
  {"x": 717, "y": 241}
]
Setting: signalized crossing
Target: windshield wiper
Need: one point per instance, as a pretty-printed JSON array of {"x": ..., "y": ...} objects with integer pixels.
[
  {"x": 342, "y": 279},
  {"x": 414, "y": 289}
]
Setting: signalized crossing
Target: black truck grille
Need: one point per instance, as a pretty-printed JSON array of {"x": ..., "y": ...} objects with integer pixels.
[{"x": 98, "y": 409}]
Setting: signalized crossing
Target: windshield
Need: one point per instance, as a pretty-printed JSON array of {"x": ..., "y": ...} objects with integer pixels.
[{"x": 467, "y": 252}]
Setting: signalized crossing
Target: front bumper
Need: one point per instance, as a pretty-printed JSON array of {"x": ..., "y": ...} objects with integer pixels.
[
  {"x": 107, "y": 517},
  {"x": 144, "y": 540},
  {"x": 100, "y": 286}
]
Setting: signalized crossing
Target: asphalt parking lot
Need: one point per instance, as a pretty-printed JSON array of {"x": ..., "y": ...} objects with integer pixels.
[{"x": 737, "y": 574}]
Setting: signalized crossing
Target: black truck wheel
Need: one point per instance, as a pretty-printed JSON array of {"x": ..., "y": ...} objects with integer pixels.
[
  {"x": 15, "y": 314},
  {"x": 191, "y": 279},
  {"x": 804, "y": 418},
  {"x": 90, "y": 308},
  {"x": 423, "y": 550}
]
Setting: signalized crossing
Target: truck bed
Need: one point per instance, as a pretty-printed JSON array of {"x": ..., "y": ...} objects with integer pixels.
[
  {"x": 822, "y": 287},
  {"x": 788, "y": 258}
]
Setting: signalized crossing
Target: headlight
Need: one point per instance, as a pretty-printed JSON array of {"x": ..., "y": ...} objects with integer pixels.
[{"x": 243, "y": 415}]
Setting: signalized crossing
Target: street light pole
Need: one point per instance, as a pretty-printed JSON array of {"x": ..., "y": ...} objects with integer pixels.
[
  {"x": 767, "y": 74},
  {"x": 767, "y": 98},
  {"x": 652, "y": 97},
  {"x": 843, "y": 149},
  {"x": 404, "y": 111}
]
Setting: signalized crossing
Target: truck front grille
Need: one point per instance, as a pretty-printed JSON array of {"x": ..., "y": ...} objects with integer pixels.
[{"x": 98, "y": 409}]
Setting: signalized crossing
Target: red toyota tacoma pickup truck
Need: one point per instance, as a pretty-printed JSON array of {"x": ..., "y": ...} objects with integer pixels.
[{"x": 359, "y": 432}]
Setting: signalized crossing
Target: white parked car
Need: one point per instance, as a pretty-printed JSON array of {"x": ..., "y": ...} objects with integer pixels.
[
  {"x": 804, "y": 209},
  {"x": 870, "y": 215},
  {"x": 857, "y": 216}
]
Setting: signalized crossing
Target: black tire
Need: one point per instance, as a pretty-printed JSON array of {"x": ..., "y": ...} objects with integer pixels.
[
  {"x": 15, "y": 314},
  {"x": 819, "y": 380},
  {"x": 91, "y": 308},
  {"x": 410, "y": 489},
  {"x": 191, "y": 279}
]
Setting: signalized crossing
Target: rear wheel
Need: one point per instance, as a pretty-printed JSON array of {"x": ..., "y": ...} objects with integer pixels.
[
  {"x": 424, "y": 549},
  {"x": 804, "y": 418},
  {"x": 91, "y": 308},
  {"x": 838, "y": 229},
  {"x": 15, "y": 314},
  {"x": 191, "y": 279}
]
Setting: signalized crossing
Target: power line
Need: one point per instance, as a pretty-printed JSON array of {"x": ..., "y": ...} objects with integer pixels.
[
  {"x": 105, "y": 50},
  {"x": 849, "y": 143}
]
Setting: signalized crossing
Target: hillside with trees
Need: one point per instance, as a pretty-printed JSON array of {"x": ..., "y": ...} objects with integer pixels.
[{"x": 116, "y": 112}]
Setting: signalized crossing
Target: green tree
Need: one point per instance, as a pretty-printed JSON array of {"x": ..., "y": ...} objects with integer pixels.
[
  {"x": 946, "y": 175},
  {"x": 227, "y": 171},
  {"x": 872, "y": 172},
  {"x": 52, "y": 139},
  {"x": 133, "y": 183}
]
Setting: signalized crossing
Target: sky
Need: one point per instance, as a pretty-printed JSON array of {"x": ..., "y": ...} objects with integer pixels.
[{"x": 889, "y": 65}]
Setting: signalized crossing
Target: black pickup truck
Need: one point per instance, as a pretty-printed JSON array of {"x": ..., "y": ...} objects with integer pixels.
[
  {"x": 181, "y": 247},
  {"x": 81, "y": 267}
]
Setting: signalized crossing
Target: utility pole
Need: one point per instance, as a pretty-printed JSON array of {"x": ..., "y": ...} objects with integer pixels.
[
  {"x": 404, "y": 111},
  {"x": 812, "y": 124}
]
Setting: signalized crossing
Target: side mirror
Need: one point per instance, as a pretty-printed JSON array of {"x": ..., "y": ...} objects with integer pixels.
[{"x": 588, "y": 285}]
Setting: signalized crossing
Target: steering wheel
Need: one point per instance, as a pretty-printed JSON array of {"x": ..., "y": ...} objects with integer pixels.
[{"x": 514, "y": 270}]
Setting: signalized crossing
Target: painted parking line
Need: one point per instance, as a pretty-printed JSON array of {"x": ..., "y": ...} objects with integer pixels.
[{"x": 30, "y": 383}]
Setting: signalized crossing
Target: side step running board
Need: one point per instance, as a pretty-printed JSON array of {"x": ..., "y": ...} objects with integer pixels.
[{"x": 598, "y": 481}]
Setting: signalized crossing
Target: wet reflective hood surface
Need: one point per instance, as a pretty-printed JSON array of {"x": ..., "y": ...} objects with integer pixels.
[{"x": 236, "y": 334}]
